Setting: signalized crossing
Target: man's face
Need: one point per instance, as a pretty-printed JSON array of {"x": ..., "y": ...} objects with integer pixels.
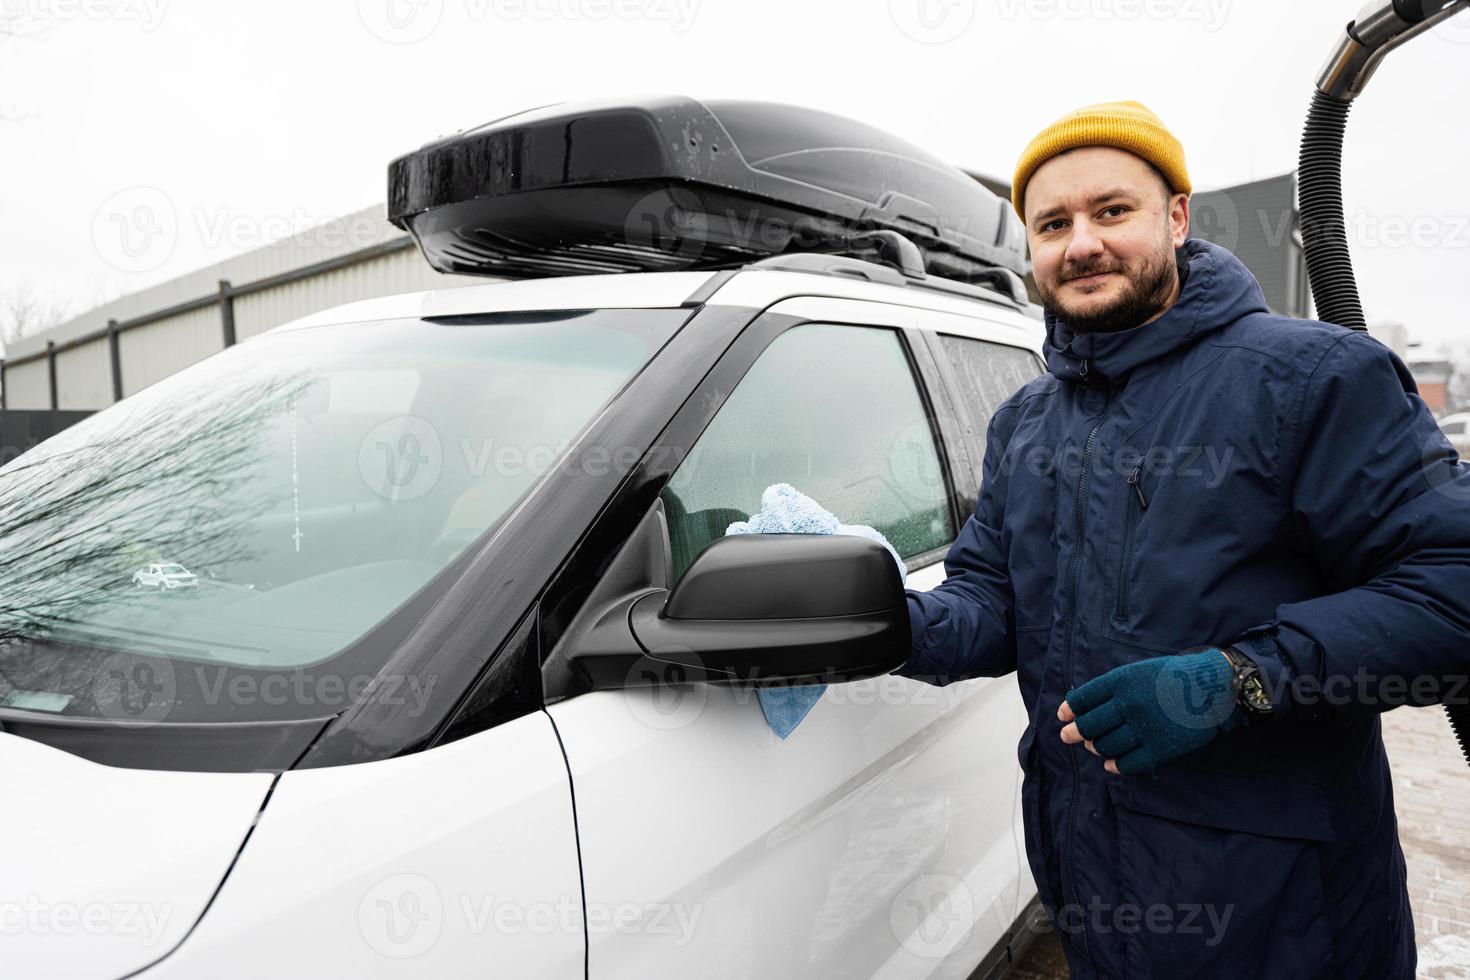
[{"x": 1103, "y": 228}]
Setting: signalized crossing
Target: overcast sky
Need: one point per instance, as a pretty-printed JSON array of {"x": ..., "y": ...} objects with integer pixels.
[{"x": 252, "y": 120}]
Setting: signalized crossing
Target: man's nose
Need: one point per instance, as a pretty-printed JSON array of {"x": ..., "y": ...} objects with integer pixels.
[{"x": 1084, "y": 245}]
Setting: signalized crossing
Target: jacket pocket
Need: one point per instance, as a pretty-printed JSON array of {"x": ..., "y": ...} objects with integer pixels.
[
  {"x": 1133, "y": 507},
  {"x": 1225, "y": 872}
]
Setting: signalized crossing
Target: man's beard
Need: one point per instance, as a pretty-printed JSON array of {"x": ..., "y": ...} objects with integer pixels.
[{"x": 1144, "y": 295}]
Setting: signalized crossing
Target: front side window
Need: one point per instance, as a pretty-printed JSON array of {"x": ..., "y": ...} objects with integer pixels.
[
  {"x": 266, "y": 508},
  {"x": 834, "y": 411}
]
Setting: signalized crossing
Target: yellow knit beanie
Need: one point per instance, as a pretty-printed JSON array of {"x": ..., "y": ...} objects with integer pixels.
[{"x": 1125, "y": 125}]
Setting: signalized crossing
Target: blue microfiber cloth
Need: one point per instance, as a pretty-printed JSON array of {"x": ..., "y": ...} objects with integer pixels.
[{"x": 786, "y": 510}]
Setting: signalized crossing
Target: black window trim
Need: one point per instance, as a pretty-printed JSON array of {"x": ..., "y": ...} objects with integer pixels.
[{"x": 563, "y": 597}]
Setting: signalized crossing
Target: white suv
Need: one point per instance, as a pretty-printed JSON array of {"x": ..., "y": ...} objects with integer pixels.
[
  {"x": 473, "y": 688},
  {"x": 165, "y": 577}
]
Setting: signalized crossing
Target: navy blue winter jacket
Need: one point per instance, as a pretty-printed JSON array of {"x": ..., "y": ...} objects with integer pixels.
[{"x": 1220, "y": 474}]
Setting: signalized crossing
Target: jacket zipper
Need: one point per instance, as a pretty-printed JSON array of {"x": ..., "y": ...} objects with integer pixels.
[
  {"x": 1130, "y": 520},
  {"x": 1082, "y": 481}
]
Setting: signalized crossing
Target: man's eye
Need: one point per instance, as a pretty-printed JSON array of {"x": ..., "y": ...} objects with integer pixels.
[
  {"x": 1116, "y": 207},
  {"x": 1048, "y": 226}
]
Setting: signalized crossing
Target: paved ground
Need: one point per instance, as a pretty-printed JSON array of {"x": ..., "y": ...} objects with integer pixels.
[{"x": 1431, "y": 784}]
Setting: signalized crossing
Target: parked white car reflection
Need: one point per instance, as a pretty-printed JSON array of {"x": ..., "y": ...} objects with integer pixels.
[{"x": 165, "y": 577}]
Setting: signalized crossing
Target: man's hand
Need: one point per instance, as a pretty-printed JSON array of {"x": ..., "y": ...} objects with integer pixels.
[{"x": 1142, "y": 714}]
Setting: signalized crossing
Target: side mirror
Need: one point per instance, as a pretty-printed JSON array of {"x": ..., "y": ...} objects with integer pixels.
[
  {"x": 759, "y": 609},
  {"x": 787, "y": 608}
]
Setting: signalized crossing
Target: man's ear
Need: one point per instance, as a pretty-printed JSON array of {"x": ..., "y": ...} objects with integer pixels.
[{"x": 1179, "y": 218}]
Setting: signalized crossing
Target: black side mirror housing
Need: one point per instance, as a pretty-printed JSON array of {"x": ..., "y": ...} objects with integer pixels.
[
  {"x": 753, "y": 609},
  {"x": 781, "y": 608}
]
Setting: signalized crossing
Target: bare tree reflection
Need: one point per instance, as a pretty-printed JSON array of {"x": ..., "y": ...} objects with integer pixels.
[{"x": 152, "y": 482}]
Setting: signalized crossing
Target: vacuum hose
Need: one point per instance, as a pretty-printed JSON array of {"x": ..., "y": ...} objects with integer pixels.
[
  {"x": 1324, "y": 233},
  {"x": 1378, "y": 29}
]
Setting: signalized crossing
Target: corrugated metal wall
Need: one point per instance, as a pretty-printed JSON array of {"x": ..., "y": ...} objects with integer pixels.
[
  {"x": 153, "y": 351},
  {"x": 88, "y": 373},
  {"x": 404, "y": 271},
  {"x": 1258, "y": 221},
  {"x": 28, "y": 386}
]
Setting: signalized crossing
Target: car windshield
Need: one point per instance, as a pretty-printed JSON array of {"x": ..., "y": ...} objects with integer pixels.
[{"x": 311, "y": 481}]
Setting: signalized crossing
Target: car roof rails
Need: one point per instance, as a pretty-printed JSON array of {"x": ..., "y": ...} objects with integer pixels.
[{"x": 890, "y": 259}]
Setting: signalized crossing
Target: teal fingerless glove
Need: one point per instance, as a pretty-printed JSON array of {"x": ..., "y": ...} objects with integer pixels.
[{"x": 1146, "y": 713}]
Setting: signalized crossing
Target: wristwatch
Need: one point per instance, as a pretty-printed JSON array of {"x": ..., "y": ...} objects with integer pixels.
[{"x": 1249, "y": 692}]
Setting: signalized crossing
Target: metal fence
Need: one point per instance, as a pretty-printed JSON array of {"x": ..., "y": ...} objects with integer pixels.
[{"x": 222, "y": 300}]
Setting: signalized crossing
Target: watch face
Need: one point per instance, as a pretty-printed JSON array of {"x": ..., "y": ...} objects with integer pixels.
[{"x": 1254, "y": 694}]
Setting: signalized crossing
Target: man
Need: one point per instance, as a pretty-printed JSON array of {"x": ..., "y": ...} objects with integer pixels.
[{"x": 1198, "y": 522}]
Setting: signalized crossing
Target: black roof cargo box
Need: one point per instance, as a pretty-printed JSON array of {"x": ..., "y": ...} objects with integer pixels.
[{"x": 673, "y": 183}]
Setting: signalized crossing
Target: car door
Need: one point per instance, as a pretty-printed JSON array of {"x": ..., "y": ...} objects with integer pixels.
[
  {"x": 983, "y": 364},
  {"x": 876, "y": 840}
]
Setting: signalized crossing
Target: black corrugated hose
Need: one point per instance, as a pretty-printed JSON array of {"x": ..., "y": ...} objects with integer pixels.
[{"x": 1329, "y": 267}]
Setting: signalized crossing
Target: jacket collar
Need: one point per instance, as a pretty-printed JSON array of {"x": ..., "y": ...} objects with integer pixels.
[{"x": 1218, "y": 291}]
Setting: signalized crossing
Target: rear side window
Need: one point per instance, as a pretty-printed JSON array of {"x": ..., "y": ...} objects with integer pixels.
[
  {"x": 988, "y": 374},
  {"x": 834, "y": 411}
]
